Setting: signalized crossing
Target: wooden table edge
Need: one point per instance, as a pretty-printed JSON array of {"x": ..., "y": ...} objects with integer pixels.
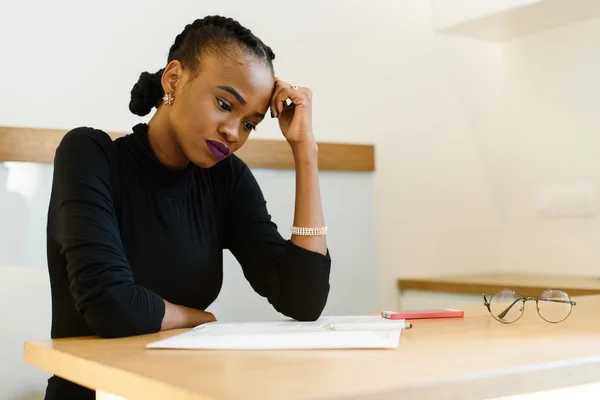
[
  {"x": 507, "y": 382},
  {"x": 97, "y": 376},
  {"x": 513, "y": 381}
]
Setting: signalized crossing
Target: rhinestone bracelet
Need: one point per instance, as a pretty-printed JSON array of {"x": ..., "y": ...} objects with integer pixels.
[{"x": 303, "y": 231}]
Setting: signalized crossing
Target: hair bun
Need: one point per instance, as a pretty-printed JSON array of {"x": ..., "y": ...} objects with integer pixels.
[{"x": 146, "y": 93}]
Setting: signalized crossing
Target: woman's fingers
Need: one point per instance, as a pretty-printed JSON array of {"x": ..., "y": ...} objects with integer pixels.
[
  {"x": 279, "y": 86},
  {"x": 284, "y": 91}
]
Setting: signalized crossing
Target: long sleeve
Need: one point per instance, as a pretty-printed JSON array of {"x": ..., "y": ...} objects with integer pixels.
[
  {"x": 82, "y": 222},
  {"x": 294, "y": 280}
]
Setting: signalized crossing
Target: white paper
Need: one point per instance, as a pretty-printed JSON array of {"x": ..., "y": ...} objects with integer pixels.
[
  {"x": 362, "y": 323},
  {"x": 289, "y": 334}
]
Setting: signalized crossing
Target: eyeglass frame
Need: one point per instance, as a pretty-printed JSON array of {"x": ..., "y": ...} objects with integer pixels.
[{"x": 525, "y": 299}]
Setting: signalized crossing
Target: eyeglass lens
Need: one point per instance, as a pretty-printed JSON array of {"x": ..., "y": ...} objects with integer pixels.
[
  {"x": 506, "y": 306},
  {"x": 554, "y": 305}
]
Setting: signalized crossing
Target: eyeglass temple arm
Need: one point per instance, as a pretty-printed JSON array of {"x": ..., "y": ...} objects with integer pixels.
[
  {"x": 571, "y": 302},
  {"x": 486, "y": 302},
  {"x": 503, "y": 313}
]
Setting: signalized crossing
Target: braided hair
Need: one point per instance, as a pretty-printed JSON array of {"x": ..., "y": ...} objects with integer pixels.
[{"x": 215, "y": 35}]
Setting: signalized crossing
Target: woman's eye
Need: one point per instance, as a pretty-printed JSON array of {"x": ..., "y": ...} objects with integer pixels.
[
  {"x": 249, "y": 126},
  {"x": 224, "y": 106}
]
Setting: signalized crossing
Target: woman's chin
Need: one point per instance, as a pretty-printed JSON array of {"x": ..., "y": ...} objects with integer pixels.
[{"x": 204, "y": 162}]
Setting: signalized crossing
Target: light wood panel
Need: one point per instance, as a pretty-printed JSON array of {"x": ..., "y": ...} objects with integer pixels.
[
  {"x": 524, "y": 284},
  {"x": 39, "y": 145},
  {"x": 474, "y": 357}
]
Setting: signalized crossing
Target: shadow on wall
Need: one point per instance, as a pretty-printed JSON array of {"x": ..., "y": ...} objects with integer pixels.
[{"x": 13, "y": 223}]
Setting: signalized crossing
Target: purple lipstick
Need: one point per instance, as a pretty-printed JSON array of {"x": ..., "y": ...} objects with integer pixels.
[{"x": 218, "y": 149}]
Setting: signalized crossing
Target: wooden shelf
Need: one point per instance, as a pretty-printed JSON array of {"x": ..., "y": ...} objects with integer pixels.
[
  {"x": 504, "y": 20},
  {"x": 524, "y": 284},
  {"x": 39, "y": 145}
]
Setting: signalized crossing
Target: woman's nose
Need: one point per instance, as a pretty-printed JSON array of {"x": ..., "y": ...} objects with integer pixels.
[{"x": 230, "y": 134}]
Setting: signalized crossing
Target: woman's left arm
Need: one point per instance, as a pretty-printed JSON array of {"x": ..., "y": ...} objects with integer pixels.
[
  {"x": 295, "y": 121},
  {"x": 292, "y": 274},
  {"x": 294, "y": 279}
]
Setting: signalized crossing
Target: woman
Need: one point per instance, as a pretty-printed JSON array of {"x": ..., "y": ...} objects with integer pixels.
[{"x": 137, "y": 226}]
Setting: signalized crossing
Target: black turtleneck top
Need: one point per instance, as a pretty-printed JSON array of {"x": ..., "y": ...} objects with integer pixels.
[{"x": 124, "y": 232}]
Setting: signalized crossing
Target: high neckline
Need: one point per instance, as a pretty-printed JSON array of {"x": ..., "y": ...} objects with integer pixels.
[{"x": 157, "y": 172}]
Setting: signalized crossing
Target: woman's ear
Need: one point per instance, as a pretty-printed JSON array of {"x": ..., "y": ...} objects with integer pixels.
[{"x": 171, "y": 76}]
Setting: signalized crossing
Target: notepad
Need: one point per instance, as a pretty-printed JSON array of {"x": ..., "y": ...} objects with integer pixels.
[{"x": 325, "y": 333}]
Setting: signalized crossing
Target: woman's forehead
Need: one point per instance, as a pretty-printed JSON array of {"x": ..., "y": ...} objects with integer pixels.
[{"x": 249, "y": 76}]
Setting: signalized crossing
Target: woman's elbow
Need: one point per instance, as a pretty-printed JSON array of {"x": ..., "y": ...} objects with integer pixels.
[
  {"x": 106, "y": 324},
  {"x": 106, "y": 331},
  {"x": 110, "y": 321},
  {"x": 308, "y": 309},
  {"x": 307, "y": 315}
]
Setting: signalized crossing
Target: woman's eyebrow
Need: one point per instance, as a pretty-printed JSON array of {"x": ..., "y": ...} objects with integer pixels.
[
  {"x": 239, "y": 98},
  {"x": 233, "y": 92}
]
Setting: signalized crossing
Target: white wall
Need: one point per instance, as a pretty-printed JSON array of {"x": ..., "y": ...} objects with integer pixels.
[
  {"x": 551, "y": 138},
  {"x": 25, "y": 315},
  {"x": 541, "y": 138},
  {"x": 435, "y": 206},
  {"x": 448, "y": 13},
  {"x": 500, "y": 20}
]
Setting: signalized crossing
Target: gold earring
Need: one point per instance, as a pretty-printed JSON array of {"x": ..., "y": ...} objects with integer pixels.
[{"x": 168, "y": 99}]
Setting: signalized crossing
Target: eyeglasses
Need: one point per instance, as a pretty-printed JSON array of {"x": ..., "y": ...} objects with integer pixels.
[{"x": 507, "y": 306}]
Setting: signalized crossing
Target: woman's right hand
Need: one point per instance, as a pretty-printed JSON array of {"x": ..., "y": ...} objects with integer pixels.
[
  {"x": 205, "y": 316},
  {"x": 177, "y": 316}
]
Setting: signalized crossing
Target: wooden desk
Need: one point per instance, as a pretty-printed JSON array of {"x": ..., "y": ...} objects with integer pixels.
[
  {"x": 471, "y": 358},
  {"x": 524, "y": 284}
]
